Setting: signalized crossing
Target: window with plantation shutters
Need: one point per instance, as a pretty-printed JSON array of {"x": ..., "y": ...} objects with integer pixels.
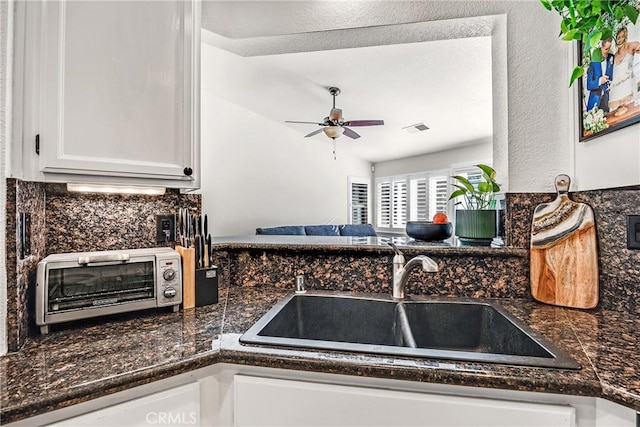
[
  {"x": 400, "y": 199},
  {"x": 359, "y": 201},
  {"x": 399, "y": 204},
  {"x": 383, "y": 210},
  {"x": 416, "y": 197},
  {"x": 439, "y": 191},
  {"x": 419, "y": 199}
]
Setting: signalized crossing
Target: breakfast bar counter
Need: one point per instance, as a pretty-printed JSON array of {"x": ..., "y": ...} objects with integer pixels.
[{"x": 365, "y": 244}]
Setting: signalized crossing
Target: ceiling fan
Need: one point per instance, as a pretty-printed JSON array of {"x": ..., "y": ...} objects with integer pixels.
[{"x": 334, "y": 125}]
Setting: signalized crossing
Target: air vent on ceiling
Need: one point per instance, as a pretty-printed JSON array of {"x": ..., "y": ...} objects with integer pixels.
[{"x": 418, "y": 127}]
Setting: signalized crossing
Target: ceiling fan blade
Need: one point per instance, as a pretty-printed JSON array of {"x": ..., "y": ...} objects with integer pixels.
[
  {"x": 335, "y": 114},
  {"x": 309, "y": 123},
  {"x": 364, "y": 123},
  {"x": 351, "y": 134},
  {"x": 315, "y": 132}
]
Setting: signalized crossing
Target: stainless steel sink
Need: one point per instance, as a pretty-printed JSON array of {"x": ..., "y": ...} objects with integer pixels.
[{"x": 460, "y": 329}]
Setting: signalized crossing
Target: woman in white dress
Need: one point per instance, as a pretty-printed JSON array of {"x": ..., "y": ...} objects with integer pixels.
[{"x": 622, "y": 85}]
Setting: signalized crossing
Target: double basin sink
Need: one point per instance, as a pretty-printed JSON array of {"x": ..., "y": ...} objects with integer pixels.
[{"x": 454, "y": 329}]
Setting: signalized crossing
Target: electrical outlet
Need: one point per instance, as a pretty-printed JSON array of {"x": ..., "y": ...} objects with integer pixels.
[
  {"x": 633, "y": 232},
  {"x": 165, "y": 228}
]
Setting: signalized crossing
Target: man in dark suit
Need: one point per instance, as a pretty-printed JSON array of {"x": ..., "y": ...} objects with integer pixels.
[{"x": 599, "y": 75}]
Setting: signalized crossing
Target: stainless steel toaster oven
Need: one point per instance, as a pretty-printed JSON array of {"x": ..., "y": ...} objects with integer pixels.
[{"x": 74, "y": 286}]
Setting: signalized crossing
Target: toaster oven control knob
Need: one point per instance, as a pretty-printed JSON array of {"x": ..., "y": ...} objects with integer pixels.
[
  {"x": 169, "y": 293},
  {"x": 169, "y": 274}
]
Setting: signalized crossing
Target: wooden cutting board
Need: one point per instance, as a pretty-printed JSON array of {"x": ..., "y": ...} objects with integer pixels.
[{"x": 564, "y": 258}]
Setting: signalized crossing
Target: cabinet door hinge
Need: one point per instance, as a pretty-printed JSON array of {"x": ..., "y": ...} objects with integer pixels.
[{"x": 38, "y": 144}]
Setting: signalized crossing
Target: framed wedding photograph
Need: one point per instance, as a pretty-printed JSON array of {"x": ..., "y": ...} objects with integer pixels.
[{"x": 609, "y": 90}]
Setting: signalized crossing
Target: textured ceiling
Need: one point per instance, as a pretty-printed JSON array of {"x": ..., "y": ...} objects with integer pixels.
[{"x": 437, "y": 73}]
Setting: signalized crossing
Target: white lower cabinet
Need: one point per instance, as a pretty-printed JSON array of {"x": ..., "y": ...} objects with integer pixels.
[
  {"x": 179, "y": 406},
  {"x": 275, "y": 402},
  {"x": 242, "y": 395}
]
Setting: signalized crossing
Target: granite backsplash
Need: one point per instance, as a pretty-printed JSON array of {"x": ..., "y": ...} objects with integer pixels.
[
  {"x": 619, "y": 267},
  {"x": 22, "y": 197},
  {"x": 71, "y": 222},
  {"x": 492, "y": 273},
  {"x": 67, "y": 222},
  {"x": 79, "y": 222}
]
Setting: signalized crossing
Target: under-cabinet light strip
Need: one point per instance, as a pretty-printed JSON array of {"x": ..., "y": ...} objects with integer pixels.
[{"x": 116, "y": 189}]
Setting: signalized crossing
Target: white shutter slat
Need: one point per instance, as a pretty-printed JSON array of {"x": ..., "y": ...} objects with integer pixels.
[
  {"x": 399, "y": 206},
  {"x": 384, "y": 204},
  {"x": 418, "y": 199},
  {"x": 438, "y": 195},
  {"x": 359, "y": 203}
]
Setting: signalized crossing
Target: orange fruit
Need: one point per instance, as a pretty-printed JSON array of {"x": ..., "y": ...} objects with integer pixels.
[{"x": 440, "y": 218}]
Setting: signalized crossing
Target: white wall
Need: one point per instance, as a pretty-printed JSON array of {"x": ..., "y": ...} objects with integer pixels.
[
  {"x": 6, "y": 20},
  {"x": 435, "y": 161},
  {"x": 259, "y": 173},
  {"x": 612, "y": 160},
  {"x": 541, "y": 108},
  {"x": 608, "y": 161}
]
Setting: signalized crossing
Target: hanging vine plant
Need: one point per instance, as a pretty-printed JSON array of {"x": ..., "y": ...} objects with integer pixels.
[{"x": 591, "y": 21}]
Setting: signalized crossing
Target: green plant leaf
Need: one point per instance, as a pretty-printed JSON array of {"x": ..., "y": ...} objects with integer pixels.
[
  {"x": 580, "y": 8},
  {"x": 485, "y": 187},
  {"x": 571, "y": 35},
  {"x": 594, "y": 37},
  {"x": 546, "y": 4},
  {"x": 632, "y": 13},
  {"x": 596, "y": 55},
  {"x": 457, "y": 193},
  {"x": 576, "y": 74},
  {"x": 464, "y": 181},
  {"x": 487, "y": 169}
]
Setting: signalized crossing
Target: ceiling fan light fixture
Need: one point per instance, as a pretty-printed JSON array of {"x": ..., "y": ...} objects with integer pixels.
[{"x": 333, "y": 132}]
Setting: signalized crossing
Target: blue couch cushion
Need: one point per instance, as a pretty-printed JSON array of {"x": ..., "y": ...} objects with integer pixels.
[
  {"x": 322, "y": 230},
  {"x": 357, "y": 230},
  {"x": 296, "y": 230}
]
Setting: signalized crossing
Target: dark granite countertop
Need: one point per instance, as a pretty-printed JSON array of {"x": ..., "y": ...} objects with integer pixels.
[
  {"x": 99, "y": 357},
  {"x": 368, "y": 244}
]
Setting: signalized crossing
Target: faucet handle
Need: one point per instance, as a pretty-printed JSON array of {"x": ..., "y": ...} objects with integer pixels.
[{"x": 395, "y": 248}]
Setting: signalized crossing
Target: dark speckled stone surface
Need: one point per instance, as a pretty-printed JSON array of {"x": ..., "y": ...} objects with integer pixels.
[
  {"x": 29, "y": 198},
  {"x": 331, "y": 263},
  {"x": 72, "y": 222},
  {"x": 73, "y": 365},
  {"x": 100, "y": 357},
  {"x": 619, "y": 267},
  {"x": 611, "y": 341},
  {"x": 80, "y": 222}
]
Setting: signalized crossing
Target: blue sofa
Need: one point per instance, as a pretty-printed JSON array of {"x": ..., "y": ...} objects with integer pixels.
[{"x": 356, "y": 230}]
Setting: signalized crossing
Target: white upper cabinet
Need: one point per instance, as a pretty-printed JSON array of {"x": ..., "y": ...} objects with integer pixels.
[{"x": 111, "y": 91}]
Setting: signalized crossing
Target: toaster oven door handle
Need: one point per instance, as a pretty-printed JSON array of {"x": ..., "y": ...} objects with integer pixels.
[{"x": 114, "y": 258}]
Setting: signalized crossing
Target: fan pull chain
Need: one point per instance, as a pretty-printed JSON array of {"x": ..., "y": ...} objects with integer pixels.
[{"x": 334, "y": 149}]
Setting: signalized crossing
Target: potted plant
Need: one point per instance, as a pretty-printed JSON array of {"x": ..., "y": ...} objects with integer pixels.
[
  {"x": 591, "y": 22},
  {"x": 476, "y": 215}
]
